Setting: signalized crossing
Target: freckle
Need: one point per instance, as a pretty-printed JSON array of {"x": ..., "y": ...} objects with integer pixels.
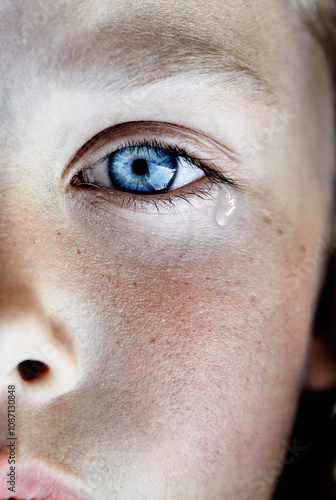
[
  {"x": 78, "y": 251},
  {"x": 280, "y": 231},
  {"x": 268, "y": 220},
  {"x": 303, "y": 249}
]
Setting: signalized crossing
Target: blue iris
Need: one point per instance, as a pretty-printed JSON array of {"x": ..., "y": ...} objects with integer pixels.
[{"x": 142, "y": 169}]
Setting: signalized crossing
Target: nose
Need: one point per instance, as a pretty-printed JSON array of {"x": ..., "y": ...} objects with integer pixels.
[{"x": 35, "y": 353}]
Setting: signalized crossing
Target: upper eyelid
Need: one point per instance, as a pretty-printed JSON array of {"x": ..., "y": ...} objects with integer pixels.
[
  {"x": 152, "y": 129},
  {"x": 146, "y": 127}
]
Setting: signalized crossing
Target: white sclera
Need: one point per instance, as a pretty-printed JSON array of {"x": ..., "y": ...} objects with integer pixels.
[{"x": 226, "y": 205}]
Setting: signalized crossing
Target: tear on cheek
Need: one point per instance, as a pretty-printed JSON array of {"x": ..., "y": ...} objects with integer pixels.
[{"x": 225, "y": 206}]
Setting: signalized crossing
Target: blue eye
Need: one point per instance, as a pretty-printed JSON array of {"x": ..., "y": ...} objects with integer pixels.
[{"x": 142, "y": 169}]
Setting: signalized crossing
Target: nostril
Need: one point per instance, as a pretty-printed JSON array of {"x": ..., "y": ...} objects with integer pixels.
[{"x": 31, "y": 369}]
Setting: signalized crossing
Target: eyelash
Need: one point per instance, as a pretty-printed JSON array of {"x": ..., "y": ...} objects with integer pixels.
[{"x": 167, "y": 200}]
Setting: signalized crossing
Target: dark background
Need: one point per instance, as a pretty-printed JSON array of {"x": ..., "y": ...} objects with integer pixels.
[{"x": 312, "y": 475}]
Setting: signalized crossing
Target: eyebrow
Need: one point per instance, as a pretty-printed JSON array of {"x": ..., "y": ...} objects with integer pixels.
[{"x": 142, "y": 57}]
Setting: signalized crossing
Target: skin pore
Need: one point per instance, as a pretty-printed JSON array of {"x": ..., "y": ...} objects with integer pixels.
[{"x": 176, "y": 348}]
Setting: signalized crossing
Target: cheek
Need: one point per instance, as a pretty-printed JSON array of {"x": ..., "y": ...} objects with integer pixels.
[
  {"x": 190, "y": 355},
  {"x": 205, "y": 346}
]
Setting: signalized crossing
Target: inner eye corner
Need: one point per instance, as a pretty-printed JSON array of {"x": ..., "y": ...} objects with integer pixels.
[
  {"x": 75, "y": 179},
  {"x": 31, "y": 370}
]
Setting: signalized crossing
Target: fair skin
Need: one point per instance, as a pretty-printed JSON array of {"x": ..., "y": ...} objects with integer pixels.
[{"x": 180, "y": 345}]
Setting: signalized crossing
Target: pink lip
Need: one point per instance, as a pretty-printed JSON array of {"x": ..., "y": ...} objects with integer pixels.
[{"x": 36, "y": 481}]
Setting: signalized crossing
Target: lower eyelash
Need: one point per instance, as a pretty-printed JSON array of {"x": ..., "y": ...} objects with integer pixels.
[
  {"x": 159, "y": 202},
  {"x": 169, "y": 202}
]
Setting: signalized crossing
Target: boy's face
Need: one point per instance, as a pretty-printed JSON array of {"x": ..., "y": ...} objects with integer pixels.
[{"x": 175, "y": 345}]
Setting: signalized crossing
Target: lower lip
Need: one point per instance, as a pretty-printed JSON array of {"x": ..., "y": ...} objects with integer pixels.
[{"x": 36, "y": 481}]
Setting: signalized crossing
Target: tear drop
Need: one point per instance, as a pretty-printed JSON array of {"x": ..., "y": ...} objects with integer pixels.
[{"x": 226, "y": 205}]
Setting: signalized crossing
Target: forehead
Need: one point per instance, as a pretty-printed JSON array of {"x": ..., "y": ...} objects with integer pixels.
[
  {"x": 59, "y": 53},
  {"x": 77, "y": 35},
  {"x": 90, "y": 14},
  {"x": 101, "y": 60}
]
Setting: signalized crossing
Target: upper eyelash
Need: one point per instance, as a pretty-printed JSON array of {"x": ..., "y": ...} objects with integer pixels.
[
  {"x": 209, "y": 168},
  {"x": 215, "y": 175}
]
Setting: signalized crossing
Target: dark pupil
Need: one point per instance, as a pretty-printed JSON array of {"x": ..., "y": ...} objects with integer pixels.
[{"x": 140, "y": 166}]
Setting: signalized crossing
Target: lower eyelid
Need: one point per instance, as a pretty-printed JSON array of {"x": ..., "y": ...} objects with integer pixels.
[
  {"x": 104, "y": 197},
  {"x": 174, "y": 201}
]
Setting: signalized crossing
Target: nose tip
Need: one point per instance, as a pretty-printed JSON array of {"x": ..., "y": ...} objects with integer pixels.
[{"x": 34, "y": 359}]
